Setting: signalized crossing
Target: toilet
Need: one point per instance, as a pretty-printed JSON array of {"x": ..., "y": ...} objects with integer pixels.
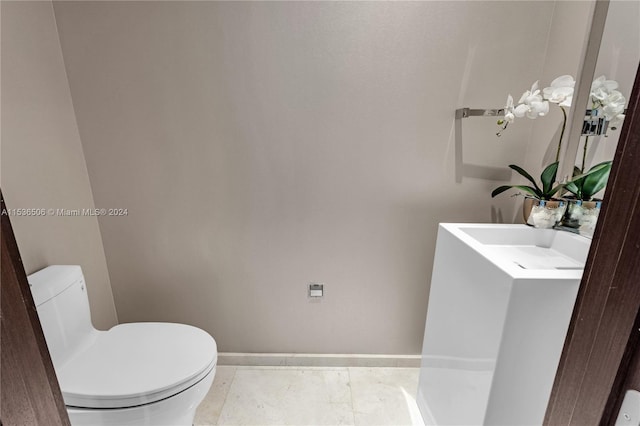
[{"x": 133, "y": 374}]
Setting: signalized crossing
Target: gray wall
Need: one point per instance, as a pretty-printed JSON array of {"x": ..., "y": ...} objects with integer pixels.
[
  {"x": 261, "y": 146},
  {"x": 43, "y": 164}
]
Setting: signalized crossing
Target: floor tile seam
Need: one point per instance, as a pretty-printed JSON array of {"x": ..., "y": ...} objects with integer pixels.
[
  {"x": 226, "y": 395},
  {"x": 353, "y": 406}
]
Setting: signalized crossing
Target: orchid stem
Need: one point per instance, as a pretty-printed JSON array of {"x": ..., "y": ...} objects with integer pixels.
[
  {"x": 584, "y": 153},
  {"x": 564, "y": 124}
]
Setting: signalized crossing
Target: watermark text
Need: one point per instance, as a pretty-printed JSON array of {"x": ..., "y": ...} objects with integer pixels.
[{"x": 35, "y": 212}]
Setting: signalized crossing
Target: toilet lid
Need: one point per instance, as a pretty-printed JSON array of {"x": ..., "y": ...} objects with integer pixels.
[{"x": 136, "y": 364}]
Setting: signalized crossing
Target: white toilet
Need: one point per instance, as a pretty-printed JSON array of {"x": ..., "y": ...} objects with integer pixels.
[{"x": 133, "y": 374}]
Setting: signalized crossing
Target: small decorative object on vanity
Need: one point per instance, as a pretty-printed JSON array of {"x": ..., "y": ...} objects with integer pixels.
[
  {"x": 580, "y": 210},
  {"x": 540, "y": 208}
]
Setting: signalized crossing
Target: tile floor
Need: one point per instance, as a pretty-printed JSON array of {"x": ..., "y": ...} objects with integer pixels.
[{"x": 302, "y": 396}]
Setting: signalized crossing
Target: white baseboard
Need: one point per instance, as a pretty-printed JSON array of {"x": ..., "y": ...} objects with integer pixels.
[{"x": 318, "y": 360}]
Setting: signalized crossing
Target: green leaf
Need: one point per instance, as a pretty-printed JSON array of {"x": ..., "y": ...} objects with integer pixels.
[
  {"x": 597, "y": 167},
  {"x": 524, "y": 173},
  {"x": 499, "y": 190},
  {"x": 596, "y": 180},
  {"x": 574, "y": 189},
  {"x": 535, "y": 192},
  {"x": 548, "y": 177},
  {"x": 549, "y": 195},
  {"x": 588, "y": 184},
  {"x": 604, "y": 165}
]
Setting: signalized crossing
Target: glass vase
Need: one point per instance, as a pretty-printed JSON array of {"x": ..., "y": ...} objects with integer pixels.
[
  {"x": 582, "y": 216},
  {"x": 543, "y": 214}
]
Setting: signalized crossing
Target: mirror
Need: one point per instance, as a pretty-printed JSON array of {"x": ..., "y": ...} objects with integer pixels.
[
  {"x": 613, "y": 51},
  {"x": 618, "y": 60},
  {"x": 604, "y": 78}
]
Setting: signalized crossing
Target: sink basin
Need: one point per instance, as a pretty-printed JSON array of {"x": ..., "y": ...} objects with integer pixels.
[
  {"x": 525, "y": 247},
  {"x": 499, "y": 308}
]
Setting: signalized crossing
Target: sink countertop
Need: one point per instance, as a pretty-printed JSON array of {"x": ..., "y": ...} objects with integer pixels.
[{"x": 525, "y": 252}]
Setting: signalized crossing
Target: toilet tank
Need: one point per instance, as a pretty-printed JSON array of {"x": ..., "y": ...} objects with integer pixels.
[{"x": 60, "y": 296}]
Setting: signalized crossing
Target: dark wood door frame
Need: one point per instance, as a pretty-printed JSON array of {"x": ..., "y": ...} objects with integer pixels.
[
  {"x": 603, "y": 334},
  {"x": 29, "y": 391}
]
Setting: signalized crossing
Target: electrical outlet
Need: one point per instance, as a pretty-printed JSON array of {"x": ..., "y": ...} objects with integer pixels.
[{"x": 316, "y": 290}]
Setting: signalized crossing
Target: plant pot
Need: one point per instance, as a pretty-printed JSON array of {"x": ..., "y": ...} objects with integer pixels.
[
  {"x": 582, "y": 216},
  {"x": 543, "y": 213}
]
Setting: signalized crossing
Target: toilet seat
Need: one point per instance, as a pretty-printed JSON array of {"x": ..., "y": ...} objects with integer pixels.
[{"x": 136, "y": 364}]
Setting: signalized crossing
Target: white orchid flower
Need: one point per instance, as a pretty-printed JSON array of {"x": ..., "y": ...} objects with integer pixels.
[
  {"x": 598, "y": 95},
  {"x": 521, "y": 110},
  {"x": 601, "y": 88},
  {"x": 533, "y": 110},
  {"x": 509, "y": 116},
  {"x": 531, "y": 104},
  {"x": 607, "y": 102},
  {"x": 563, "y": 81},
  {"x": 611, "y": 111},
  {"x": 562, "y": 96},
  {"x": 616, "y": 121},
  {"x": 561, "y": 90},
  {"x": 613, "y": 105},
  {"x": 602, "y": 82},
  {"x": 540, "y": 108},
  {"x": 530, "y": 96}
]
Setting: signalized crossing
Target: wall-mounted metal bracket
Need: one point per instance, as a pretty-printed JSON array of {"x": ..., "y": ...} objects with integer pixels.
[
  {"x": 468, "y": 112},
  {"x": 474, "y": 170}
]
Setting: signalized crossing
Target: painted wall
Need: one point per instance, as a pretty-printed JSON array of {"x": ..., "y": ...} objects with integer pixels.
[
  {"x": 259, "y": 146},
  {"x": 43, "y": 164}
]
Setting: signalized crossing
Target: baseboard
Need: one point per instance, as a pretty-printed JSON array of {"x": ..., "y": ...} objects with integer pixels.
[{"x": 318, "y": 360}]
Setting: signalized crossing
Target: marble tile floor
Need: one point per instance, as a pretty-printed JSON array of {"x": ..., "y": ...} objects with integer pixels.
[{"x": 305, "y": 396}]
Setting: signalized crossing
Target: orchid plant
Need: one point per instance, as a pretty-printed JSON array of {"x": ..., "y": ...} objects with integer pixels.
[{"x": 605, "y": 100}]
